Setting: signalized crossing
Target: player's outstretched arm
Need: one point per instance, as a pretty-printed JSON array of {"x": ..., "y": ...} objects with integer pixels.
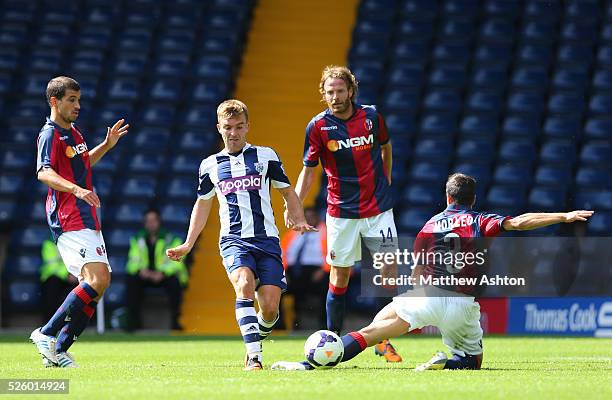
[
  {"x": 531, "y": 221},
  {"x": 49, "y": 177},
  {"x": 304, "y": 182},
  {"x": 294, "y": 212},
  {"x": 113, "y": 134},
  {"x": 199, "y": 216}
]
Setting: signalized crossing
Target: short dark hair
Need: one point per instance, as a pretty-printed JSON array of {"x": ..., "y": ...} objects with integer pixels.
[
  {"x": 153, "y": 210},
  {"x": 461, "y": 188},
  {"x": 57, "y": 87}
]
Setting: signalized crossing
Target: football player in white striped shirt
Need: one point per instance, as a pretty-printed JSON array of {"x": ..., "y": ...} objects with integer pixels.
[{"x": 241, "y": 175}]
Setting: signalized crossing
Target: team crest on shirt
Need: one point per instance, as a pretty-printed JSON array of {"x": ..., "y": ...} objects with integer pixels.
[
  {"x": 82, "y": 252},
  {"x": 368, "y": 124},
  {"x": 100, "y": 250},
  {"x": 259, "y": 167},
  {"x": 332, "y": 255}
]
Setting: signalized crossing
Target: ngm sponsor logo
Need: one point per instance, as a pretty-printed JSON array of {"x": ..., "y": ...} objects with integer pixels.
[
  {"x": 72, "y": 151},
  {"x": 232, "y": 185},
  {"x": 357, "y": 143},
  {"x": 578, "y": 317}
]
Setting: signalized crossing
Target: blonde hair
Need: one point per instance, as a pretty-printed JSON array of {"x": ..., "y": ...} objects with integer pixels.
[
  {"x": 336, "y": 71},
  {"x": 232, "y": 108}
]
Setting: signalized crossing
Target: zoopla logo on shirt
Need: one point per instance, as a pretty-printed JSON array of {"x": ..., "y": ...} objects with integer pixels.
[{"x": 232, "y": 185}]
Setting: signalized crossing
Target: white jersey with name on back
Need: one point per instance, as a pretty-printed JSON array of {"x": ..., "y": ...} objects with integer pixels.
[{"x": 242, "y": 182}]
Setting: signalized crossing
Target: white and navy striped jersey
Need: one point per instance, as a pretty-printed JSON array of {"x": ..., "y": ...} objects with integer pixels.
[{"x": 242, "y": 184}]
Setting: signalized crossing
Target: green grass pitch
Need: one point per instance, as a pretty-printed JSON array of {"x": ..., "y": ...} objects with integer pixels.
[{"x": 187, "y": 367}]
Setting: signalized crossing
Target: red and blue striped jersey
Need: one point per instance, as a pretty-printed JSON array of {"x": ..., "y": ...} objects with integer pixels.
[
  {"x": 458, "y": 229},
  {"x": 350, "y": 152},
  {"x": 65, "y": 151}
]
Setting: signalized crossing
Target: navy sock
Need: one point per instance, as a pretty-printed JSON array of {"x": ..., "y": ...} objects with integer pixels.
[
  {"x": 78, "y": 313},
  {"x": 59, "y": 319},
  {"x": 335, "y": 305},
  {"x": 354, "y": 344},
  {"x": 467, "y": 362}
]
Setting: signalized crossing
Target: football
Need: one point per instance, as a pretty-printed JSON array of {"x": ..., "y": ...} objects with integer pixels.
[{"x": 323, "y": 349}]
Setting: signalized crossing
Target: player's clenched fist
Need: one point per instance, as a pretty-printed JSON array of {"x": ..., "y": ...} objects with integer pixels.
[{"x": 178, "y": 252}]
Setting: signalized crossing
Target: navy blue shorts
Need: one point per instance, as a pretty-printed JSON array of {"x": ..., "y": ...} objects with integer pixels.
[{"x": 261, "y": 255}]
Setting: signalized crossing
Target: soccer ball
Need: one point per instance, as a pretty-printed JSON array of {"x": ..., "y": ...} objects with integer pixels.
[{"x": 323, "y": 349}]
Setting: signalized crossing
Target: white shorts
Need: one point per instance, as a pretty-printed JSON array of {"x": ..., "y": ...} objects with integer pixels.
[
  {"x": 78, "y": 248},
  {"x": 344, "y": 237},
  {"x": 457, "y": 318}
]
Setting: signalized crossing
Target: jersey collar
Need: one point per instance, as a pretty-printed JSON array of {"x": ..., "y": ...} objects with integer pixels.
[
  {"x": 56, "y": 126},
  {"x": 356, "y": 108},
  {"x": 456, "y": 208},
  {"x": 226, "y": 153}
]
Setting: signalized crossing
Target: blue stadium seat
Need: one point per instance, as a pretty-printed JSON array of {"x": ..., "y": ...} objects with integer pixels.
[
  {"x": 10, "y": 184},
  {"x": 53, "y": 36},
  {"x": 145, "y": 163},
  {"x": 405, "y": 101},
  {"x": 214, "y": 67},
  {"x": 151, "y": 138},
  {"x": 527, "y": 102},
  {"x": 88, "y": 62},
  {"x": 567, "y": 103},
  {"x": 597, "y": 153},
  {"x": 202, "y": 143},
  {"x": 457, "y": 28},
  {"x": 216, "y": 44},
  {"x": 31, "y": 237},
  {"x": 100, "y": 15},
  {"x": 366, "y": 27},
  {"x": 552, "y": 175},
  {"x": 24, "y": 295},
  {"x": 583, "y": 10},
  {"x": 604, "y": 55},
  {"x": 129, "y": 214},
  {"x": 425, "y": 9},
  {"x": 410, "y": 52},
  {"x": 606, "y": 33},
  {"x": 186, "y": 164},
  {"x": 549, "y": 10},
  {"x": 491, "y": 54},
  {"x": 120, "y": 238},
  {"x": 562, "y": 152},
  {"x": 36, "y": 212},
  {"x": 116, "y": 295},
  {"x": 572, "y": 78},
  {"x": 124, "y": 89},
  {"x": 369, "y": 48},
  {"x": 532, "y": 77},
  {"x": 368, "y": 94},
  {"x": 138, "y": 187},
  {"x": 135, "y": 39},
  {"x": 600, "y": 223},
  {"x": 598, "y": 128},
  {"x": 456, "y": 52},
  {"x": 535, "y": 53},
  {"x": 485, "y": 101},
  {"x": 452, "y": 76},
  {"x": 539, "y": 31},
  {"x": 103, "y": 184},
  {"x": 438, "y": 125},
  {"x": 493, "y": 77},
  {"x": 200, "y": 116},
  {"x": 547, "y": 199},
  {"x": 593, "y": 200},
  {"x": 176, "y": 214},
  {"x": 368, "y": 72},
  {"x": 478, "y": 125},
  {"x": 23, "y": 266},
  {"x": 467, "y": 8},
  {"x": 517, "y": 151},
  {"x": 477, "y": 169},
  {"x": 476, "y": 150},
  {"x": 414, "y": 29},
  {"x": 181, "y": 188},
  {"x": 429, "y": 172},
  {"x": 13, "y": 35},
  {"x": 602, "y": 80},
  {"x": 13, "y": 159},
  {"x": 400, "y": 125},
  {"x": 178, "y": 41},
  {"x": 35, "y": 84},
  {"x": 497, "y": 30},
  {"x": 9, "y": 59},
  {"x": 522, "y": 126},
  {"x": 166, "y": 90},
  {"x": 502, "y": 8},
  {"x": 159, "y": 115},
  {"x": 568, "y": 127},
  {"x": 576, "y": 54},
  {"x": 593, "y": 177},
  {"x": 513, "y": 174},
  {"x": 423, "y": 195},
  {"x": 581, "y": 32},
  {"x": 118, "y": 263},
  {"x": 109, "y": 163},
  {"x": 433, "y": 149},
  {"x": 601, "y": 103},
  {"x": 413, "y": 219},
  {"x": 95, "y": 37},
  {"x": 8, "y": 209},
  {"x": 210, "y": 92},
  {"x": 502, "y": 196},
  {"x": 48, "y": 61}
]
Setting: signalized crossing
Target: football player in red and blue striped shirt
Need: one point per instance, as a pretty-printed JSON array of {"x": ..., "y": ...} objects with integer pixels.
[
  {"x": 64, "y": 164},
  {"x": 353, "y": 145}
]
